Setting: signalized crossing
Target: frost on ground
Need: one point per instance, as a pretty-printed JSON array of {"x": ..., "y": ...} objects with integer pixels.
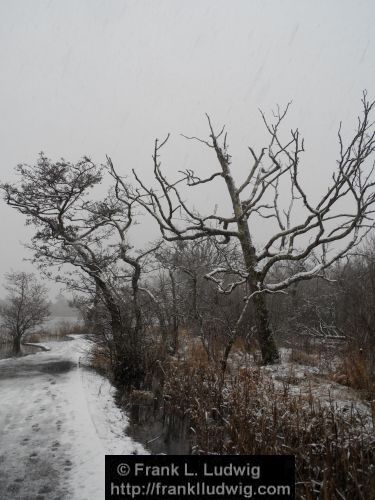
[
  {"x": 312, "y": 382},
  {"x": 58, "y": 420}
]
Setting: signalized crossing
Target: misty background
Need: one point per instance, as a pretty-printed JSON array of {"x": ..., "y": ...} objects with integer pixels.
[{"x": 90, "y": 77}]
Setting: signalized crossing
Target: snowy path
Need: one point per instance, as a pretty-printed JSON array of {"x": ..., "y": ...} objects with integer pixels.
[{"x": 57, "y": 422}]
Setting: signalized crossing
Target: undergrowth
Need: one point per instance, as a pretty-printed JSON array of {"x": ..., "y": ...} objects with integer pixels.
[
  {"x": 357, "y": 370},
  {"x": 334, "y": 447}
]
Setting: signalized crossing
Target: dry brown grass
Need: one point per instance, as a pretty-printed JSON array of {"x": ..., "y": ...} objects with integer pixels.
[
  {"x": 357, "y": 370},
  {"x": 100, "y": 360},
  {"x": 334, "y": 449},
  {"x": 34, "y": 337},
  {"x": 59, "y": 332},
  {"x": 196, "y": 353},
  {"x": 303, "y": 358},
  {"x": 64, "y": 329},
  {"x": 139, "y": 397}
]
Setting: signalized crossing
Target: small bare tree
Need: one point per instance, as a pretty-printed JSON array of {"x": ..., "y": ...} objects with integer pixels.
[
  {"x": 201, "y": 307},
  {"x": 314, "y": 233},
  {"x": 25, "y": 307}
]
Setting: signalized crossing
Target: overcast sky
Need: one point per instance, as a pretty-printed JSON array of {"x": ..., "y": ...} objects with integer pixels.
[{"x": 90, "y": 77}]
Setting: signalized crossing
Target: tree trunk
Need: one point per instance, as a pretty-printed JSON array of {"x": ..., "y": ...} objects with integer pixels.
[
  {"x": 266, "y": 341},
  {"x": 264, "y": 333},
  {"x": 224, "y": 360},
  {"x": 175, "y": 321},
  {"x": 16, "y": 345},
  {"x": 136, "y": 306},
  {"x": 114, "y": 311},
  {"x": 265, "y": 337}
]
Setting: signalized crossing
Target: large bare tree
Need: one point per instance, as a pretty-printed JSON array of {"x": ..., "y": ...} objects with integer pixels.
[
  {"x": 314, "y": 232},
  {"x": 25, "y": 307}
]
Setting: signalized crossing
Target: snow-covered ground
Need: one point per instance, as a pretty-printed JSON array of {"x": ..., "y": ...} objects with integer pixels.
[
  {"x": 298, "y": 379},
  {"x": 58, "y": 420}
]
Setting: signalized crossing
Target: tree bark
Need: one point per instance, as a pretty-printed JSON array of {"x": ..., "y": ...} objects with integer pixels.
[
  {"x": 266, "y": 341},
  {"x": 16, "y": 345},
  {"x": 265, "y": 337},
  {"x": 175, "y": 321},
  {"x": 113, "y": 309}
]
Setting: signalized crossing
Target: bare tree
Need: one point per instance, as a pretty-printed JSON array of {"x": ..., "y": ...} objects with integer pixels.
[
  {"x": 315, "y": 233},
  {"x": 91, "y": 236},
  {"x": 25, "y": 307},
  {"x": 52, "y": 196},
  {"x": 207, "y": 314}
]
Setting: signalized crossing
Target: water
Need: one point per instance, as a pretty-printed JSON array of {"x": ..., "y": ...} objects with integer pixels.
[
  {"x": 158, "y": 431},
  {"x": 49, "y": 327},
  {"x": 6, "y": 350}
]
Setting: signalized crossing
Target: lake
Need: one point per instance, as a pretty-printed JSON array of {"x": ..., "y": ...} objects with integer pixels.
[{"x": 51, "y": 326}]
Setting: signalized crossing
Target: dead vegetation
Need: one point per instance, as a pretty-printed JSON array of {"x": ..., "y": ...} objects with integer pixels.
[
  {"x": 356, "y": 370},
  {"x": 303, "y": 358},
  {"x": 187, "y": 321},
  {"x": 59, "y": 332},
  {"x": 252, "y": 414}
]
